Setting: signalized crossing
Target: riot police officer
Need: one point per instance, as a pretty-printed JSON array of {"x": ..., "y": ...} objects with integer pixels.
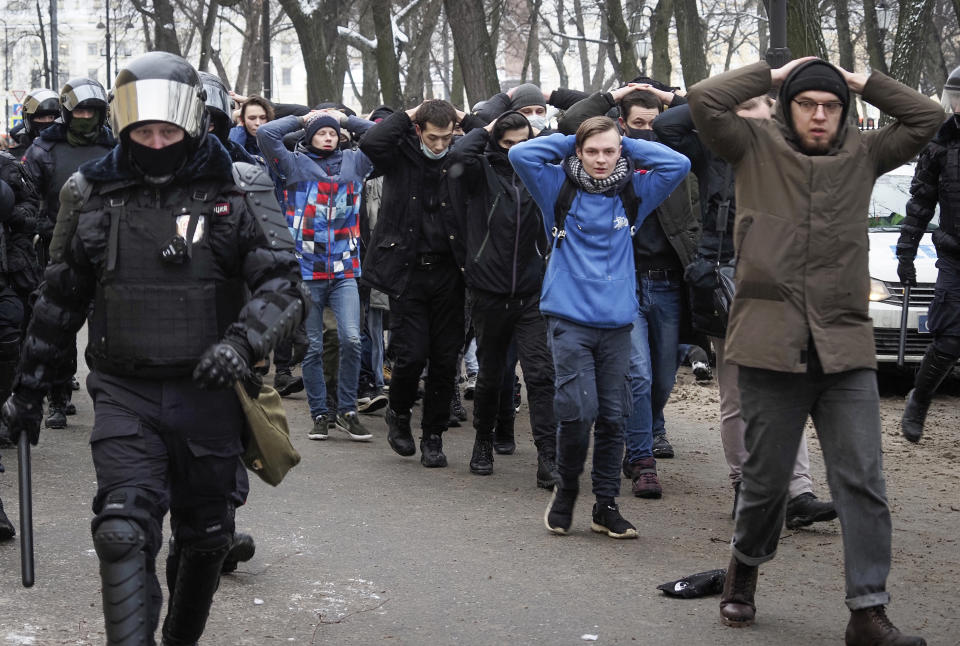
[
  {"x": 163, "y": 235},
  {"x": 40, "y": 108},
  {"x": 936, "y": 179},
  {"x": 58, "y": 151}
]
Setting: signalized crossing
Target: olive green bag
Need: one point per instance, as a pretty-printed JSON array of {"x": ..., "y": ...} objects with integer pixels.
[{"x": 267, "y": 448}]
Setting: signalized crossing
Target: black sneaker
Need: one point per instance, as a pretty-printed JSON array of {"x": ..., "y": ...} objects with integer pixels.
[
  {"x": 350, "y": 424},
  {"x": 503, "y": 440},
  {"x": 607, "y": 520},
  {"x": 321, "y": 427},
  {"x": 662, "y": 447},
  {"x": 6, "y": 527},
  {"x": 700, "y": 363},
  {"x": 481, "y": 463},
  {"x": 547, "y": 475},
  {"x": 56, "y": 416},
  {"x": 371, "y": 401},
  {"x": 70, "y": 408},
  {"x": 805, "y": 510},
  {"x": 431, "y": 451},
  {"x": 286, "y": 384},
  {"x": 74, "y": 384},
  {"x": 241, "y": 550},
  {"x": 399, "y": 435},
  {"x": 559, "y": 513}
]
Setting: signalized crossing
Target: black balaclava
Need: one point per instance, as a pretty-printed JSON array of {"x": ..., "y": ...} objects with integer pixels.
[
  {"x": 162, "y": 163},
  {"x": 646, "y": 135}
]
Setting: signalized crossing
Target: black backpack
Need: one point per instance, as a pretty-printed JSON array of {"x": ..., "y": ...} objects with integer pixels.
[{"x": 628, "y": 197}]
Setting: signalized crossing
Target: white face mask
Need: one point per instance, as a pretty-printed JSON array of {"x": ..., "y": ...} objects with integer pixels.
[
  {"x": 432, "y": 155},
  {"x": 537, "y": 121}
]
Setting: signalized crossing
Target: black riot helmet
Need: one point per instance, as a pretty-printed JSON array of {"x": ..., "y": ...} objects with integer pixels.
[
  {"x": 219, "y": 105},
  {"x": 159, "y": 86},
  {"x": 39, "y": 102},
  {"x": 951, "y": 92},
  {"x": 82, "y": 93}
]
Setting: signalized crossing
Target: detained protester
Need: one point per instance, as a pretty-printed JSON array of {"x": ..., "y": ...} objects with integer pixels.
[
  {"x": 41, "y": 107},
  {"x": 322, "y": 198},
  {"x": 416, "y": 257},
  {"x": 799, "y": 329},
  {"x": 675, "y": 128},
  {"x": 505, "y": 250},
  {"x": 172, "y": 330},
  {"x": 663, "y": 246},
  {"x": 589, "y": 294},
  {"x": 935, "y": 181},
  {"x": 80, "y": 135}
]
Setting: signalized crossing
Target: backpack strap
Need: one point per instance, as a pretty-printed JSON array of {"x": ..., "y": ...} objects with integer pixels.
[
  {"x": 560, "y": 209},
  {"x": 631, "y": 203}
]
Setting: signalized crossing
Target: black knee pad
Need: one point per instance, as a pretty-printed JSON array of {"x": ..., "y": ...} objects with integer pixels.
[
  {"x": 947, "y": 346},
  {"x": 130, "y": 504},
  {"x": 118, "y": 539}
]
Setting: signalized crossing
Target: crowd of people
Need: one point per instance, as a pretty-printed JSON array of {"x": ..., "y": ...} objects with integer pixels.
[{"x": 203, "y": 236}]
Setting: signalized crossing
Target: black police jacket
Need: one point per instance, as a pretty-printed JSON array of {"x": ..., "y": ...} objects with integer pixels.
[
  {"x": 51, "y": 160},
  {"x": 18, "y": 259},
  {"x": 156, "y": 314},
  {"x": 936, "y": 180},
  {"x": 408, "y": 192},
  {"x": 505, "y": 237}
]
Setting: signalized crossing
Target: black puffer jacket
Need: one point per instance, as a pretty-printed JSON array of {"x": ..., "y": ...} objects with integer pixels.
[
  {"x": 936, "y": 180},
  {"x": 19, "y": 260},
  {"x": 244, "y": 243},
  {"x": 505, "y": 236},
  {"x": 51, "y": 160}
]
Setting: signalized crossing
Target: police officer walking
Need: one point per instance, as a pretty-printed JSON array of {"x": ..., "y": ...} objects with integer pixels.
[
  {"x": 40, "y": 108},
  {"x": 163, "y": 235},
  {"x": 937, "y": 179}
]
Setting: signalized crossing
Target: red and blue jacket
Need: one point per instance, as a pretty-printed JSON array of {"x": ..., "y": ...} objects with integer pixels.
[{"x": 322, "y": 199}]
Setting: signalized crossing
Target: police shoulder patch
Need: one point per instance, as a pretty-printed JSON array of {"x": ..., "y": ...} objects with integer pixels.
[{"x": 221, "y": 208}]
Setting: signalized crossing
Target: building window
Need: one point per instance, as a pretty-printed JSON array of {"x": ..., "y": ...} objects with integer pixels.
[
  {"x": 286, "y": 75},
  {"x": 34, "y": 48},
  {"x": 285, "y": 49},
  {"x": 91, "y": 49}
]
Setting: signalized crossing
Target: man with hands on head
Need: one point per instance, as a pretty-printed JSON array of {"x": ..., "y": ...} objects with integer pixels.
[
  {"x": 166, "y": 237},
  {"x": 589, "y": 295},
  {"x": 799, "y": 329}
]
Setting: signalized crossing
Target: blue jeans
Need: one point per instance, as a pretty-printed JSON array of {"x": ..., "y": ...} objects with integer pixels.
[
  {"x": 375, "y": 331},
  {"x": 591, "y": 390},
  {"x": 342, "y": 296},
  {"x": 653, "y": 362}
]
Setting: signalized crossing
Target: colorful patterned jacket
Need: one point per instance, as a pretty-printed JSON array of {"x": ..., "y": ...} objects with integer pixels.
[{"x": 322, "y": 199}]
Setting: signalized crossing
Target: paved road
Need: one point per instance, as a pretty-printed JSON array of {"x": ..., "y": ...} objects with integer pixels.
[{"x": 360, "y": 546}]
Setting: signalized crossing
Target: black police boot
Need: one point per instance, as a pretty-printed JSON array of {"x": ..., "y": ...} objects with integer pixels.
[
  {"x": 805, "y": 510},
  {"x": 197, "y": 577},
  {"x": 57, "y": 408},
  {"x": 9, "y": 358},
  {"x": 242, "y": 549},
  {"x": 128, "y": 607},
  {"x": 933, "y": 369},
  {"x": 431, "y": 451},
  {"x": 399, "y": 435},
  {"x": 286, "y": 384},
  {"x": 547, "y": 475},
  {"x": 457, "y": 412},
  {"x": 6, "y": 527},
  {"x": 503, "y": 440},
  {"x": 481, "y": 463}
]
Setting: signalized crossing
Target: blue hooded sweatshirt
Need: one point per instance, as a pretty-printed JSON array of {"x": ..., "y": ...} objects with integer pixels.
[{"x": 590, "y": 279}]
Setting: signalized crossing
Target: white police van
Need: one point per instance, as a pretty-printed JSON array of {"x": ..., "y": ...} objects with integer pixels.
[{"x": 887, "y": 209}]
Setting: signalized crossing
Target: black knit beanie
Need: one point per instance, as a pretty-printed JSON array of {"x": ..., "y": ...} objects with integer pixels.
[{"x": 817, "y": 75}]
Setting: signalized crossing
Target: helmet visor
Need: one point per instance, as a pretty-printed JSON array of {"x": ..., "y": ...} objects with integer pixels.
[
  {"x": 951, "y": 101},
  {"x": 42, "y": 101},
  {"x": 72, "y": 97},
  {"x": 218, "y": 99},
  {"x": 157, "y": 100}
]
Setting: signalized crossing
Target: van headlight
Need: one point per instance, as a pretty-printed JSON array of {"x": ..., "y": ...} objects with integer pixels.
[{"x": 878, "y": 290}]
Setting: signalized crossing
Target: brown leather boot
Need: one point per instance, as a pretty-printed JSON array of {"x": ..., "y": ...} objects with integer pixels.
[
  {"x": 736, "y": 604},
  {"x": 870, "y": 627}
]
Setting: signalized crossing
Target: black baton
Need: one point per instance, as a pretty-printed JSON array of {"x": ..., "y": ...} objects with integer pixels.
[
  {"x": 901, "y": 347},
  {"x": 26, "y": 512}
]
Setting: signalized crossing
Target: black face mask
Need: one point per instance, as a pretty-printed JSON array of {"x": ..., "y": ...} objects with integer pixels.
[
  {"x": 159, "y": 162},
  {"x": 646, "y": 135}
]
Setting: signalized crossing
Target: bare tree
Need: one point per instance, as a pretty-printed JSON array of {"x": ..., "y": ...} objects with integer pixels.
[
  {"x": 804, "y": 31},
  {"x": 874, "y": 38},
  {"x": 844, "y": 41},
  {"x": 474, "y": 49},
  {"x": 913, "y": 20},
  {"x": 690, "y": 36},
  {"x": 626, "y": 66},
  {"x": 323, "y": 56},
  {"x": 660, "y": 40}
]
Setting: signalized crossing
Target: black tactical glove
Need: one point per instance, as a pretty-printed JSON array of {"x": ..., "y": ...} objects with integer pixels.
[
  {"x": 220, "y": 366},
  {"x": 22, "y": 414},
  {"x": 907, "y": 272}
]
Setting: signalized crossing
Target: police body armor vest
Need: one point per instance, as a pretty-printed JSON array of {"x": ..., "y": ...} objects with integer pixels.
[
  {"x": 66, "y": 160},
  {"x": 950, "y": 190},
  {"x": 153, "y": 317}
]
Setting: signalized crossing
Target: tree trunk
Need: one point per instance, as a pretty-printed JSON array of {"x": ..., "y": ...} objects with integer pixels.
[
  {"x": 474, "y": 49},
  {"x": 317, "y": 35},
  {"x": 956, "y": 9},
  {"x": 387, "y": 64},
  {"x": 935, "y": 70},
  {"x": 762, "y": 31},
  {"x": 627, "y": 65},
  {"x": 456, "y": 84},
  {"x": 691, "y": 37},
  {"x": 582, "y": 45},
  {"x": 874, "y": 41},
  {"x": 596, "y": 83},
  {"x": 662, "y": 68},
  {"x": 844, "y": 41},
  {"x": 561, "y": 68},
  {"x": 43, "y": 45},
  {"x": 418, "y": 58},
  {"x": 164, "y": 28},
  {"x": 206, "y": 36},
  {"x": 914, "y": 18},
  {"x": 370, "y": 98},
  {"x": 531, "y": 57},
  {"x": 804, "y": 30}
]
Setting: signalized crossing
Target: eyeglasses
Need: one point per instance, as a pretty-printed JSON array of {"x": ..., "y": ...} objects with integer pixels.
[{"x": 830, "y": 108}]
